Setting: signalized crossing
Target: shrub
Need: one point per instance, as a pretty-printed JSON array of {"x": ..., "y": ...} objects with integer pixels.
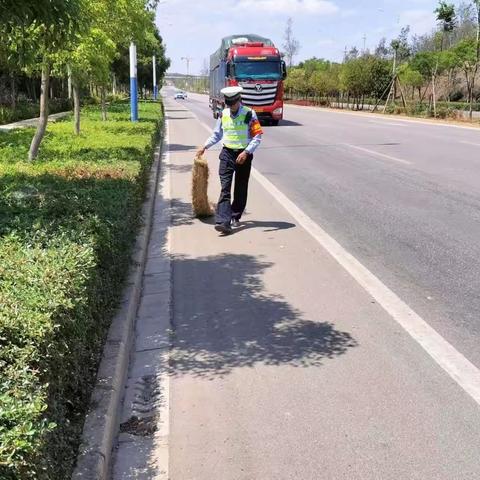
[{"x": 67, "y": 223}]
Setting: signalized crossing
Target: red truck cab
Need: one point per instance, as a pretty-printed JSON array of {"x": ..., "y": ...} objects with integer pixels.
[{"x": 257, "y": 67}]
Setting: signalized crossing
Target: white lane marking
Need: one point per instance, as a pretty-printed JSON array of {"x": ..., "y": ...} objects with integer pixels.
[
  {"x": 445, "y": 355},
  {"x": 470, "y": 143},
  {"x": 373, "y": 152},
  {"x": 459, "y": 368}
]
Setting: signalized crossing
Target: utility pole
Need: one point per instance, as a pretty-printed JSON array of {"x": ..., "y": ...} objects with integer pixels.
[
  {"x": 364, "y": 43},
  {"x": 187, "y": 60},
  {"x": 133, "y": 83},
  {"x": 155, "y": 88}
]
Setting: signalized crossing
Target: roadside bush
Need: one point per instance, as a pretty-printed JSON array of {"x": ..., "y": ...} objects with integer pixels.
[{"x": 67, "y": 223}]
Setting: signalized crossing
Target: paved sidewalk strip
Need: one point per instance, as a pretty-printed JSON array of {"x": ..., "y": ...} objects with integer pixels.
[
  {"x": 32, "y": 122},
  {"x": 141, "y": 450}
]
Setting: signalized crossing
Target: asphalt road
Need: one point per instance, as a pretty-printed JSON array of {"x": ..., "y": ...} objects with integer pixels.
[
  {"x": 403, "y": 197},
  {"x": 282, "y": 366}
]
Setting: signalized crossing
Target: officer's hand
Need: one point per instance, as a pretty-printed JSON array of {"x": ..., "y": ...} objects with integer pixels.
[
  {"x": 200, "y": 152},
  {"x": 242, "y": 158}
]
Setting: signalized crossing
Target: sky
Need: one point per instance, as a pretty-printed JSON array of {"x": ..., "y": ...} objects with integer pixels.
[{"x": 193, "y": 28}]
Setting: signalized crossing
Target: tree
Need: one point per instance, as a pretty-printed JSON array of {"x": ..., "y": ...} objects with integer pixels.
[
  {"x": 477, "y": 51},
  {"x": 467, "y": 57},
  {"x": 112, "y": 25},
  {"x": 39, "y": 28},
  {"x": 381, "y": 50},
  {"x": 411, "y": 78},
  {"x": 291, "y": 45},
  {"x": 154, "y": 46},
  {"x": 403, "y": 49},
  {"x": 447, "y": 18},
  {"x": 57, "y": 23},
  {"x": 465, "y": 22},
  {"x": 296, "y": 81},
  {"x": 15, "y": 13},
  {"x": 352, "y": 54}
]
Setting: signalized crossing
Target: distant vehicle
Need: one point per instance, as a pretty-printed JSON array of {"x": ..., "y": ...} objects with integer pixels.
[
  {"x": 181, "y": 95},
  {"x": 254, "y": 63}
]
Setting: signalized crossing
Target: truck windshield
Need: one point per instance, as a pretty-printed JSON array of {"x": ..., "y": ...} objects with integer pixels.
[{"x": 268, "y": 70}]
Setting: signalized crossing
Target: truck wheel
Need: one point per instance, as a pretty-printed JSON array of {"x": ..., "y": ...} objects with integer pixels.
[{"x": 275, "y": 122}]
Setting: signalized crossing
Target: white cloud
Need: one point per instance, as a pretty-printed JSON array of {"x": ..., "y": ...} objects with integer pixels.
[{"x": 320, "y": 7}]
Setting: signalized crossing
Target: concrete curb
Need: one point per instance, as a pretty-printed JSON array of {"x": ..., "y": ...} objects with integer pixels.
[{"x": 101, "y": 423}]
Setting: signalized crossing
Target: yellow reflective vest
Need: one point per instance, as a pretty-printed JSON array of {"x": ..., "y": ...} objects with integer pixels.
[{"x": 235, "y": 130}]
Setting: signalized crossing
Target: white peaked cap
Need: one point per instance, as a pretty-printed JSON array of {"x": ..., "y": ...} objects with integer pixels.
[{"x": 230, "y": 92}]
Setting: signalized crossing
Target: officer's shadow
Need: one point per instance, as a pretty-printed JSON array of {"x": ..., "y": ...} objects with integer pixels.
[{"x": 267, "y": 226}]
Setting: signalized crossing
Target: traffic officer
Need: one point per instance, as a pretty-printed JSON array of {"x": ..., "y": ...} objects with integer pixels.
[{"x": 241, "y": 132}]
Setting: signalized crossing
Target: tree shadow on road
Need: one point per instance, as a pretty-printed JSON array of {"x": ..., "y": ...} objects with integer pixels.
[{"x": 239, "y": 324}]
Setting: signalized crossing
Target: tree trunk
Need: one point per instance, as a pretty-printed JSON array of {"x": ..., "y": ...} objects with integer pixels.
[
  {"x": 472, "y": 89},
  {"x": 13, "y": 93},
  {"x": 42, "y": 124},
  {"x": 470, "y": 112},
  {"x": 104, "y": 103},
  {"x": 434, "y": 97},
  {"x": 76, "y": 106},
  {"x": 69, "y": 81},
  {"x": 470, "y": 86},
  {"x": 114, "y": 84}
]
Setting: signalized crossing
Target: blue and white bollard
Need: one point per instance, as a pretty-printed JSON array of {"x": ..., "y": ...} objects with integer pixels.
[
  {"x": 133, "y": 83},
  {"x": 155, "y": 88}
]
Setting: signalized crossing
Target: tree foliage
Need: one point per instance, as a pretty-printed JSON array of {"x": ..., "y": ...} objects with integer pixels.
[
  {"x": 431, "y": 67},
  {"x": 79, "y": 39}
]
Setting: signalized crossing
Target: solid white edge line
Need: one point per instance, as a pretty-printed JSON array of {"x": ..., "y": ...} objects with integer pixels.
[
  {"x": 459, "y": 368},
  {"x": 445, "y": 355}
]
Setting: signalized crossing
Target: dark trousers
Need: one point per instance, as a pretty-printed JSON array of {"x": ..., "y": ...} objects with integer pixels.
[{"x": 226, "y": 209}]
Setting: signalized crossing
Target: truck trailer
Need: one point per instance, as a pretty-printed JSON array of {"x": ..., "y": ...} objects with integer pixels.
[{"x": 254, "y": 63}]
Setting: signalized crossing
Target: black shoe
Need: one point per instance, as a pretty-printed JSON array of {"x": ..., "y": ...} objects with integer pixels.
[
  {"x": 235, "y": 223},
  {"x": 223, "y": 228}
]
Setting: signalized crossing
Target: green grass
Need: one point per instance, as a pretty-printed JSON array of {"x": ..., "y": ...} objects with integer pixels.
[{"x": 67, "y": 223}]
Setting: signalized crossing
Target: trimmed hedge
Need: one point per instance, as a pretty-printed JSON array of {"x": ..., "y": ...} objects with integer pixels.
[{"x": 67, "y": 224}]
